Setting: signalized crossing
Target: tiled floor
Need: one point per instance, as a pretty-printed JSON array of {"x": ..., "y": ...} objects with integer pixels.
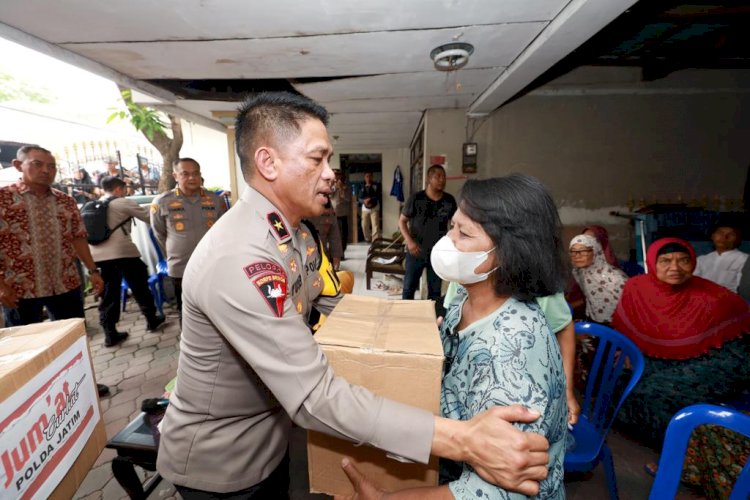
[{"x": 141, "y": 366}]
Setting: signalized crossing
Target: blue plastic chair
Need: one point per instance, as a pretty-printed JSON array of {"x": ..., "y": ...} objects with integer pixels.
[
  {"x": 607, "y": 386},
  {"x": 676, "y": 442},
  {"x": 155, "y": 281},
  {"x": 156, "y": 287}
]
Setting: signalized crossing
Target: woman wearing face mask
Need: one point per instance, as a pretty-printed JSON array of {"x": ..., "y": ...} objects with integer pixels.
[{"x": 505, "y": 249}]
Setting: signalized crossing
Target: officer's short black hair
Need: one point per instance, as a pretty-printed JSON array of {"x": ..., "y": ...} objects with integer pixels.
[
  {"x": 521, "y": 219},
  {"x": 177, "y": 162},
  {"x": 433, "y": 168},
  {"x": 112, "y": 182},
  {"x": 269, "y": 116}
]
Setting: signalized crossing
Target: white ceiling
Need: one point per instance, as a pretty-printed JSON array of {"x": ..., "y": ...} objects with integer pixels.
[{"x": 377, "y": 49}]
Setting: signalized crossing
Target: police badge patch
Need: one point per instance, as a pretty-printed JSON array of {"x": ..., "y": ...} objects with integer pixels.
[{"x": 270, "y": 280}]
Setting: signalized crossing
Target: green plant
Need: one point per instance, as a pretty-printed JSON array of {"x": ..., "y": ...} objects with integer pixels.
[
  {"x": 12, "y": 89},
  {"x": 150, "y": 123},
  {"x": 146, "y": 120}
]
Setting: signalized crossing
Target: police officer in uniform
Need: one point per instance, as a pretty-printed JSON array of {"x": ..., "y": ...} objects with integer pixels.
[
  {"x": 248, "y": 364},
  {"x": 181, "y": 217}
]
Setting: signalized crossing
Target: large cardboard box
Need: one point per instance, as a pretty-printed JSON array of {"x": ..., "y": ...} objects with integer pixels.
[
  {"x": 393, "y": 348},
  {"x": 51, "y": 429}
]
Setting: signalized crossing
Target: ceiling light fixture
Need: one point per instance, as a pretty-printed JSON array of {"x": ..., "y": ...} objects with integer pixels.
[{"x": 451, "y": 56}]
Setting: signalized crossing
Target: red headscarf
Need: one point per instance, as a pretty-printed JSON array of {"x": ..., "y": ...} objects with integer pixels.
[
  {"x": 602, "y": 236},
  {"x": 678, "y": 322}
]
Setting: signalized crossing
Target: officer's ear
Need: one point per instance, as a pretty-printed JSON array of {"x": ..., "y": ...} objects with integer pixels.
[{"x": 264, "y": 163}]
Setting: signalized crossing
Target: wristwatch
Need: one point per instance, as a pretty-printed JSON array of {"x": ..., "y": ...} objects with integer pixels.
[{"x": 96, "y": 270}]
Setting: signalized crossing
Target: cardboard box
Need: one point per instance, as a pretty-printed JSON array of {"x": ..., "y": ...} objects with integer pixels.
[
  {"x": 51, "y": 429},
  {"x": 393, "y": 348}
]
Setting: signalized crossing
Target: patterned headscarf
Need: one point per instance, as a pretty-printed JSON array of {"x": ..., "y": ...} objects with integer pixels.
[{"x": 601, "y": 282}]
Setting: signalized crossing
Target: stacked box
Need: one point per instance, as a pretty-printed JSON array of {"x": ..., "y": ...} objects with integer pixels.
[{"x": 51, "y": 428}]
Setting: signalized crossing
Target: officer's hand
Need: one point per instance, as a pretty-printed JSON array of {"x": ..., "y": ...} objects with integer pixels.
[
  {"x": 98, "y": 283},
  {"x": 413, "y": 248},
  {"x": 8, "y": 297},
  {"x": 363, "y": 488},
  {"x": 504, "y": 455}
]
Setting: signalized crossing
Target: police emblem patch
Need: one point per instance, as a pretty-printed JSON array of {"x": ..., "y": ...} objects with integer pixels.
[
  {"x": 270, "y": 280},
  {"x": 274, "y": 219}
]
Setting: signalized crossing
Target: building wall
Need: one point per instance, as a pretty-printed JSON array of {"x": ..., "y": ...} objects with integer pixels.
[{"x": 613, "y": 144}]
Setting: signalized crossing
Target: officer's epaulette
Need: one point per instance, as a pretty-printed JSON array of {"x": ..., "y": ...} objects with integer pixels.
[{"x": 278, "y": 228}]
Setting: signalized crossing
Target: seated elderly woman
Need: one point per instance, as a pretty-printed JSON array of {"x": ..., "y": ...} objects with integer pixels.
[
  {"x": 505, "y": 248},
  {"x": 692, "y": 333},
  {"x": 600, "y": 281}
]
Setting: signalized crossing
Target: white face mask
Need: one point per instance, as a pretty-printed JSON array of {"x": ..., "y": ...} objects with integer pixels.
[{"x": 451, "y": 264}]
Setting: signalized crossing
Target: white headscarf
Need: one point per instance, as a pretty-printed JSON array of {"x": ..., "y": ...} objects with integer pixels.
[{"x": 601, "y": 282}]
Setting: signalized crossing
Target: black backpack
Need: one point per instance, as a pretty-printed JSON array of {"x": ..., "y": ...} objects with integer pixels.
[{"x": 94, "y": 215}]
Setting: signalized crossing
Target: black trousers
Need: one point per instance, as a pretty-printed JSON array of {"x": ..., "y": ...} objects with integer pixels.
[
  {"x": 29, "y": 311},
  {"x": 136, "y": 274},
  {"x": 275, "y": 486},
  {"x": 177, "y": 285},
  {"x": 414, "y": 268}
]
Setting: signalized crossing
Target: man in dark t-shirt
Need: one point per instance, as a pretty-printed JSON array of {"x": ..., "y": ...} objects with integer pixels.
[{"x": 425, "y": 219}]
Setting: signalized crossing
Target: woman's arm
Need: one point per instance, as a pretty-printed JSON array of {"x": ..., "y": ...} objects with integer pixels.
[{"x": 567, "y": 340}]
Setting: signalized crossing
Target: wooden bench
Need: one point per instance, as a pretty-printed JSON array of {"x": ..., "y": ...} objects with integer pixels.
[
  {"x": 385, "y": 250},
  {"x": 135, "y": 446}
]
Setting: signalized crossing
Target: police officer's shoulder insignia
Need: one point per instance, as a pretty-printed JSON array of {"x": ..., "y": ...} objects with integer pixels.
[
  {"x": 270, "y": 280},
  {"x": 278, "y": 226}
]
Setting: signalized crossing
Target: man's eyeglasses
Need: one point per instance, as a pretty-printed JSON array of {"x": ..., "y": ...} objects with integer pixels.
[{"x": 580, "y": 253}]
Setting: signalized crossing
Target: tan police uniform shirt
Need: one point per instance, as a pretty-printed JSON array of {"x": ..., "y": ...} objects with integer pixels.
[
  {"x": 180, "y": 222},
  {"x": 249, "y": 365},
  {"x": 119, "y": 245}
]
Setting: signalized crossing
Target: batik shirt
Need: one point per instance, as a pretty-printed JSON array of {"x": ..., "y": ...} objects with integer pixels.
[
  {"x": 37, "y": 257},
  {"x": 508, "y": 357}
]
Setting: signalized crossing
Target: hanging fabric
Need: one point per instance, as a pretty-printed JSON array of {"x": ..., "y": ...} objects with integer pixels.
[{"x": 398, "y": 184}]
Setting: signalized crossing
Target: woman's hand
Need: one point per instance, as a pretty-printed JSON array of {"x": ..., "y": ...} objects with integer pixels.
[{"x": 363, "y": 488}]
